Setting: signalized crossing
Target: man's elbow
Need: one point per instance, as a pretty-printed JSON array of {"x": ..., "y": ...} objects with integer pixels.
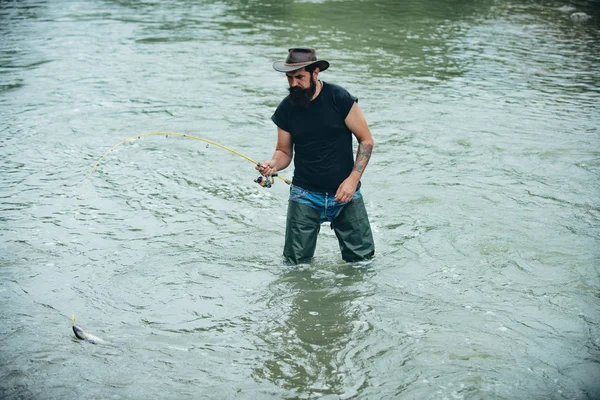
[{"x": 368, "y": 142}]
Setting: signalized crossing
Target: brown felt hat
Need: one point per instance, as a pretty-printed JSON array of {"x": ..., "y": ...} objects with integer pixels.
[{"x": 300, "y": 57}]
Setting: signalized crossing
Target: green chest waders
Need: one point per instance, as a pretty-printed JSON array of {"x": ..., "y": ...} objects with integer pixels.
[{"x": 351, "y": 227}]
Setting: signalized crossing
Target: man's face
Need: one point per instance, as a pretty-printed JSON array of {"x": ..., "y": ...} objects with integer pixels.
[
  {"x": 299, "y": 78},
  {"x": 303, "y": 86}
]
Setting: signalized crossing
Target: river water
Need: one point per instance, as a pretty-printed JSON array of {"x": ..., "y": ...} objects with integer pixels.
[{"x": 483, "y": 193}]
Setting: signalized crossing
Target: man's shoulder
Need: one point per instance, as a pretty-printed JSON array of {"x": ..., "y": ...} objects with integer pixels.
[
  {"x": 284, "y": 104},
  {"x": 339, "y": 94},
  {"x": 337, "y": 91},
  {"x": 282, "y": 113},
  {"x": 334, "y": 87}
]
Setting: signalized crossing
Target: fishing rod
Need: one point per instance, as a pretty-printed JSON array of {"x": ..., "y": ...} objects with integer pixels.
[{"x": 265, "y": 181}]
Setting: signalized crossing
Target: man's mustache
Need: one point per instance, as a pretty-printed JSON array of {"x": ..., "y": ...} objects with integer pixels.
[{"x": 298, "y": 89}]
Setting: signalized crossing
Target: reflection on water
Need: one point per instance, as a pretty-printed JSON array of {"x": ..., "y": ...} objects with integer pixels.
[{"x": 318, "y": 321}]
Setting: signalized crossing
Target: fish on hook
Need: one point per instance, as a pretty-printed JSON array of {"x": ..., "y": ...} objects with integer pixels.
[{"x": 80, "y": 333}]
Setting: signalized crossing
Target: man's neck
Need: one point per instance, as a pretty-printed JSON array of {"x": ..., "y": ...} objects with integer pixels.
[{"x": 318, "y": 90}]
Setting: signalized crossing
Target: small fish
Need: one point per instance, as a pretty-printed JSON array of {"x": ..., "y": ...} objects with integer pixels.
[{"x": 83, "y": 335}]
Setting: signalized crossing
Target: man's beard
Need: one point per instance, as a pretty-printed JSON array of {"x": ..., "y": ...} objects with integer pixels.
[{"x": 301, "y": 97}]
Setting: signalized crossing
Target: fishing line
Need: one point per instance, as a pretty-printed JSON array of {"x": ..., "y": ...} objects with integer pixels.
[{"x": 185, "y": 135}]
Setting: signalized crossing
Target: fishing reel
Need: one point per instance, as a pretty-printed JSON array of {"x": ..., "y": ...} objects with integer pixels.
[{"x": 266, "y": 181}]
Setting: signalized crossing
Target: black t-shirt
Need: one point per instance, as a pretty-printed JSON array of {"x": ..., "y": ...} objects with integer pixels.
[{"x": 322, "y": 142}]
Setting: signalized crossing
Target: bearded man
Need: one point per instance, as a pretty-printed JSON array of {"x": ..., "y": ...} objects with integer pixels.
[{"x": 315, "y": 126}]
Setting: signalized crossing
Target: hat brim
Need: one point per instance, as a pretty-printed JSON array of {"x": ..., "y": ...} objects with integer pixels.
[{"x": 282, "y": 67}]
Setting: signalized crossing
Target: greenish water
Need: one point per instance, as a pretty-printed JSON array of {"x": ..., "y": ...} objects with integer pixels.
[{"x": 483, "y": 193}]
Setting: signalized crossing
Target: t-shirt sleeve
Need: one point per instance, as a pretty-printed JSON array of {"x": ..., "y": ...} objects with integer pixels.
[
  {"x": 346, "y": 101},
  {"x": 279, "y": 118}
]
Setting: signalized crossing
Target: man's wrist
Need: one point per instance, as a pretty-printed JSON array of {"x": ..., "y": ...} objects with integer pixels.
[{"x": 355, "y": 176}]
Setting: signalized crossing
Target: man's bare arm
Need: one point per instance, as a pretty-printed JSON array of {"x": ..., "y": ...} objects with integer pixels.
[
  {"x": 356, "y": 122},
  {"x": 281, "y": 157}
]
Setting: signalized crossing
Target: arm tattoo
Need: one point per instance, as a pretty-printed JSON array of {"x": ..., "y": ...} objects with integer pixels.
[{"x": 362, "y": 157}]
